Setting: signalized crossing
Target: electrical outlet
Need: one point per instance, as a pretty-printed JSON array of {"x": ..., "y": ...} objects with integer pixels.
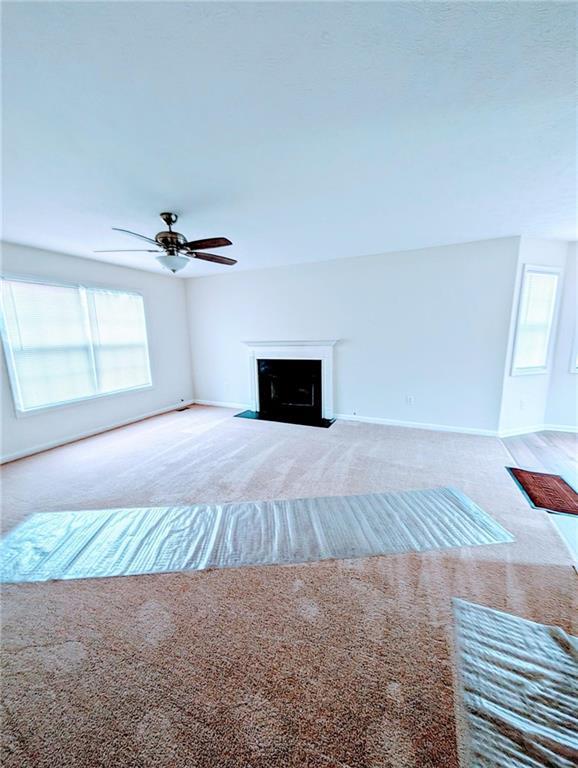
[{"x": 410, "y": 399}]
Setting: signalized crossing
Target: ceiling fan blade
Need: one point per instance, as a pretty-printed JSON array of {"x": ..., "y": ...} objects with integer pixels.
[
  {"x": 130, "y": 250},
  {"x": 214, "y": 257},
  {"x": 136, "y": 234},
  {"x": 210, "y": 242}
]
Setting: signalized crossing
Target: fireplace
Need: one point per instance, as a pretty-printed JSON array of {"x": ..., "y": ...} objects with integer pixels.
[
  {"x": 290, "y": 390},
  {"x": 292, "y": 382}
]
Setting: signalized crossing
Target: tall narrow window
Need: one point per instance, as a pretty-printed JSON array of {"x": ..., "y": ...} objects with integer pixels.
[
  {"x": 535, "y": 319},
  {"x": 67, "y": 343}
]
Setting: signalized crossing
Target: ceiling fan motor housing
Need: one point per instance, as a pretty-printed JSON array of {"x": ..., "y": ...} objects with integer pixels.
[{"x": 170, "y": 240}]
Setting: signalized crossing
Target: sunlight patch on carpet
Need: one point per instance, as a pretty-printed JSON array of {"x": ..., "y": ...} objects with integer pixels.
[
  {"x": 517, "y": 691},
  {"x": 123, "y": 542}
]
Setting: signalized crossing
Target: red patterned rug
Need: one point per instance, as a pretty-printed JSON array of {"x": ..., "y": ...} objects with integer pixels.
[{"x": 546, "y": 491}]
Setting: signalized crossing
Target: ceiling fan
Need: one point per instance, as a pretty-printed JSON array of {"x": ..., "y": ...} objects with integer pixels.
[{"x": 173, "y": 248}]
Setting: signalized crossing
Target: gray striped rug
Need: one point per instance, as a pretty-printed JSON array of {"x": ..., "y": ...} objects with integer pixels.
[{"x": 121, "y": 542}]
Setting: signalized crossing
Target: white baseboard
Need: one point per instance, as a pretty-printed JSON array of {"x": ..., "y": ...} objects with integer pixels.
[
  {"x": 223, "y": 404},
  {"x": 520, "y": 431},
  {"x": 461, "y": 430},
  {"x": 418, "y": 425},
  {"x": 537, "y": 428},
  {"x": 561, "y": 428},
  {"x": 342, "y": 416},
  {"x": 372, "y": 420},
  {"x": 91, "y": 433}
]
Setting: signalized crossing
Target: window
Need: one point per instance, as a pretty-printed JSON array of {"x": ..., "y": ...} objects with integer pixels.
[
  {"x": 65, "y": 343},
  {"x": 535, "y": 320}
]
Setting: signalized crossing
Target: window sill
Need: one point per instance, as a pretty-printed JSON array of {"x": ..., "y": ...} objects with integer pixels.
[
  {"x": 530, "y": 372},
  {"x": 58, "y": 406}
]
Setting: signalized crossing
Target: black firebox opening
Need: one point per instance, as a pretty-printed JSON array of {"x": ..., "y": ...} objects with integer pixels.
[{"x": 290, "y": 391}]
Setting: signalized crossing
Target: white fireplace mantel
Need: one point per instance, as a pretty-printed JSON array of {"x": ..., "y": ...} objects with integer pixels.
[
  {"x": 294, "y": 350},
  {"x": 308, "y": 343}
]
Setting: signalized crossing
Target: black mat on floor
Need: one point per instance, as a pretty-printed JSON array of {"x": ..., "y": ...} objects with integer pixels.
[{"x": 303, "y": 421}]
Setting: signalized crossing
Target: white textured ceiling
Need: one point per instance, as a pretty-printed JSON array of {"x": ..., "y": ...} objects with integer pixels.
[{"x": 301, "y": 131}]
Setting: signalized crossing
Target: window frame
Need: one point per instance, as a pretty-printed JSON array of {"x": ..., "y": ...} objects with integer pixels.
[
  {"x": 8, "y": 353},
  {"x": 574, "y": 355},
  {"x": 543, "y": 369}
]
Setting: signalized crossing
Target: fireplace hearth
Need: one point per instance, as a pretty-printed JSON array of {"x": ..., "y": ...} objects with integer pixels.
[{"x": 289, "y": 391}]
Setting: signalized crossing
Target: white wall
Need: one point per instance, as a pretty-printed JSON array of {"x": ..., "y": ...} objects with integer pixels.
[
  {"x": 525, "y": 398},
  {"x": 431, "y": 323},
  {"x": 434, "y": 324},
  {"x": 562, "y": 405},
  {"x": 167, "y": 325}
]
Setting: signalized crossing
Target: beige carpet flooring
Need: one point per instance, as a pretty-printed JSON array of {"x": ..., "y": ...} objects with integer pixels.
[{"x": 336, "y": 664}]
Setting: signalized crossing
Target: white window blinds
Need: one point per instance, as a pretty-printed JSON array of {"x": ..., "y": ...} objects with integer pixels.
[
  {"x": 535, "y": 319},
  {"x": 66, "y": 343}
]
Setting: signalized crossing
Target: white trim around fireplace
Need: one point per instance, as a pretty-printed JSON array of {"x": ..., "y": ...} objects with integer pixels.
[{"x": 294, "y": 350}]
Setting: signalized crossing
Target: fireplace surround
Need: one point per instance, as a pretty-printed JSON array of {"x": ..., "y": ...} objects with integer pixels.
[{"x": 291, "y": 381}]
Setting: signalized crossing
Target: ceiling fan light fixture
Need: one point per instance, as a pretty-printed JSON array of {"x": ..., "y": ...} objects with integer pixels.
[{"x": 173, "y": 263}]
